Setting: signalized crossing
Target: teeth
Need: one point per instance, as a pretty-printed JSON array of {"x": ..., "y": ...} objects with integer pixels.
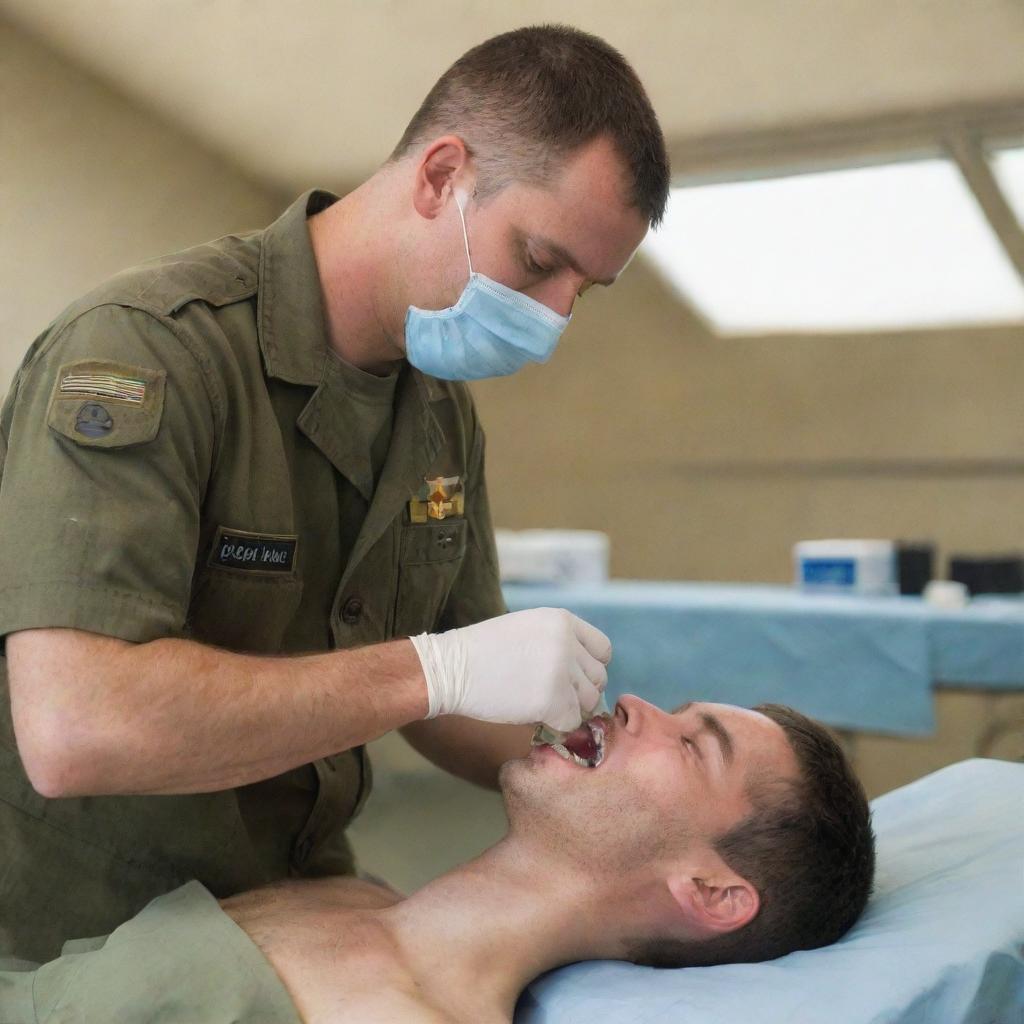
[
  {"x": 565, "y": 752},
  {"x": 597, "y": 731}
]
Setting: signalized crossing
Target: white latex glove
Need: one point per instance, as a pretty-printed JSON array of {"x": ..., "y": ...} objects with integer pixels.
[{"x": 539, "y": 665}]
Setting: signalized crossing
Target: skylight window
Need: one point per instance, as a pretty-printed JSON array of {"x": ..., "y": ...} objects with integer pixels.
[
  {"x": 1008, "y": 165},
  {"x": 869, "y": 248}
]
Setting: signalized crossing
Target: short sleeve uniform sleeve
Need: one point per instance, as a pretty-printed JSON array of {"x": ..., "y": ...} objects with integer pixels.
[
  {"x": 109, "y": 433},
  {"x": 181, "y": 958},
  {"x": 476, "y": 593}
]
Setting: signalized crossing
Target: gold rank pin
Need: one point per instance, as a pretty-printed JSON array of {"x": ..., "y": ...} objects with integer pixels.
[{"x": 439, "y": 497}]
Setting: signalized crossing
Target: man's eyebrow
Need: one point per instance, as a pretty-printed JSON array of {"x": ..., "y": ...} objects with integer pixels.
[
  {"x": 567, "y": 257},
  {"x": 715, "y": 727}
]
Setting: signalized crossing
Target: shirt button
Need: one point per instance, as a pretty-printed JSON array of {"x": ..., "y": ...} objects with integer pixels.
[{"x": 352, "y": 610}]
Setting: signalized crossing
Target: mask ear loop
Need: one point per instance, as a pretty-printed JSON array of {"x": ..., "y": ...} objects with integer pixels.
[{"x": 461, "y": 194}]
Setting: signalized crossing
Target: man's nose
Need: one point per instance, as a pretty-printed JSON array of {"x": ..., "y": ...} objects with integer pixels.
[
  {"x": 563, "y": 306},
  {"x": 558, "y": 294},
  {"x": 639, "y": 713}
]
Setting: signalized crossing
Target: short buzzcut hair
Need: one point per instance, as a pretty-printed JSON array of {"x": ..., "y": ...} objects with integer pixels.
[
  {"x": 807, "y": 847},
  {"x": 524, "y": 100}
]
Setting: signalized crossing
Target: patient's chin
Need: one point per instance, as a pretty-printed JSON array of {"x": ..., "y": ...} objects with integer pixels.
[
  {"x": 507, "y": 772},
  {"x": 539, "y": 804},
  {"x": 523, "y": 788},
  {"x": 610, "y": 828}
]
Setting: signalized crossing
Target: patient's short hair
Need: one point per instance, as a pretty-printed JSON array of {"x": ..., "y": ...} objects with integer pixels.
[{"x": 807, "y": 847}]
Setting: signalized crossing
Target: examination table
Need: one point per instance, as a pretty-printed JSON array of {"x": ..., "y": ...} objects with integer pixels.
[{"x": 941, "y": 940}]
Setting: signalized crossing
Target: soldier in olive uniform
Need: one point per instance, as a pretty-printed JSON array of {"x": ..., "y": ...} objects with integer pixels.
[{"x": 238, "y": 479}]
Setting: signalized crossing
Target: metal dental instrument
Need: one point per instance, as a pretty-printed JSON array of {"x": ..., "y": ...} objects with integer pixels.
[{"x": 545, "y": 734}]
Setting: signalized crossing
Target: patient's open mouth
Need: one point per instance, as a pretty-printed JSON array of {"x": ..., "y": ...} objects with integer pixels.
[{"x": 586, "y": 745}]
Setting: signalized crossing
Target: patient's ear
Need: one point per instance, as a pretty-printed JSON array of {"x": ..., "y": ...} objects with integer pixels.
[{"x": 714, "y": 904}]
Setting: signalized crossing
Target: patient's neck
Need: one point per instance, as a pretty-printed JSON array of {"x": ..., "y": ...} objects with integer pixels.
[{"x": 476, "y": 936}]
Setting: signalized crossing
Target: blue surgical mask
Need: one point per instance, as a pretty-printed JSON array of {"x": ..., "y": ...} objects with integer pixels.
[{"x": 492, "y": 330}]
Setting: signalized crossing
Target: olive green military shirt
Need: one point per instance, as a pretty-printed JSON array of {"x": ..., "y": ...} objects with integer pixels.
[
  {"x": 181, "y": 960},
  {"x": 184, "y": 456}
]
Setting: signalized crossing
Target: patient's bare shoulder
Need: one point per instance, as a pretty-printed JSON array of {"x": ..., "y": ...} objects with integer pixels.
[
  {"x": 335, "y": 892},
  {"x": 324, "y": 920},
  {"x": 323, "y": 938},
  {"x": 382, "y": 1007}
]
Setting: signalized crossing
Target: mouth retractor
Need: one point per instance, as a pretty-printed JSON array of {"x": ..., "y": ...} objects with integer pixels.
[{"x": 556, "y": 740}]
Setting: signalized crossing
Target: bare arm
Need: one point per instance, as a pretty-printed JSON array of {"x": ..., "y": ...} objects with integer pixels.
[
  {"x": 97, "y": 715},
  {"x": 468, "y": 748}
]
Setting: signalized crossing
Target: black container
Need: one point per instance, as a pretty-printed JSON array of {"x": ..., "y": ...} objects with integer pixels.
[
  {"x": 998, "y": 574},
  {"x": 914, "y": 565}
]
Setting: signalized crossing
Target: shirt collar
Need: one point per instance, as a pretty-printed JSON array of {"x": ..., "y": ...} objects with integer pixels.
[{"x": 290, "y": 312}]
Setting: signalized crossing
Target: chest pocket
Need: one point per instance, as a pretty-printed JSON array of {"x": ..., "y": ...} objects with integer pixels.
[
  {"x": 430, "y": 556},
  {"x": 243, "y": 610}
]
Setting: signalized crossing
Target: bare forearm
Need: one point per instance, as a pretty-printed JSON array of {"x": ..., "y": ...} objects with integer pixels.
[
  {"x": 174, "y": 716},
  {"x": 470, "y": 749}
]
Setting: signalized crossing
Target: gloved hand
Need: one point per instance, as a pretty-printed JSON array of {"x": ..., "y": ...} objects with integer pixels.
[{"x": 539, "y": 665}]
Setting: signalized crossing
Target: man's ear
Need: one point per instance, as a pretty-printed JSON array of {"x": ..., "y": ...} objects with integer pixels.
[
  {"x": 714, "y": 905},
  {"x": 436, "y": 171}
]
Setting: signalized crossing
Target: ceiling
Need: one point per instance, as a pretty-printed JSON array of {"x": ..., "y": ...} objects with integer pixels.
[{"x": 317, "y": 92}]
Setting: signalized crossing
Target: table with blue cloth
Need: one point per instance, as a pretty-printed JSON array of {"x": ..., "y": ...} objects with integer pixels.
[{"x": 853, "y": 663}]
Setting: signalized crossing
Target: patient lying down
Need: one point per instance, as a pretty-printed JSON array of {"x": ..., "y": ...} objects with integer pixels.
[{"x": 713, "y": 834}]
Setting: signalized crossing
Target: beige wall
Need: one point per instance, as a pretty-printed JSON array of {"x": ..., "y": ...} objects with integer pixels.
[
  {"x": 334, "y": 83},
  {"x": 708, "y": 459},
  {"x": 90, "y": 184},
  {"x": 703, "y": 458}
]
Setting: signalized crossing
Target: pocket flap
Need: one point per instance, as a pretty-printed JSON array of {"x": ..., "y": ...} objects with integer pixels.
[{"x": 434, "y": 542}]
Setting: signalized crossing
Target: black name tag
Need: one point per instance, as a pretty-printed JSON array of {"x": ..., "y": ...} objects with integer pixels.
[{"x": 258, "y": 552}]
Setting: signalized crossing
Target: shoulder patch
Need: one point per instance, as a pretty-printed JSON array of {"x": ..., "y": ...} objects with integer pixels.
[{"x": 103, "y": 404}]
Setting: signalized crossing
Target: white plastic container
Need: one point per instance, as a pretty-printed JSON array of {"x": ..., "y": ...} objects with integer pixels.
[
  {"x": 553, "y": 556},
  {"x": 946, "y": 594},
  {"x": 866, "y": 567}
]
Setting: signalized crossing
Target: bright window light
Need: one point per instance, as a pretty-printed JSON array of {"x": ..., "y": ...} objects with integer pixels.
[
  {"x": 868, "y": 248},
  {"x": 1008, "y": 165}
]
